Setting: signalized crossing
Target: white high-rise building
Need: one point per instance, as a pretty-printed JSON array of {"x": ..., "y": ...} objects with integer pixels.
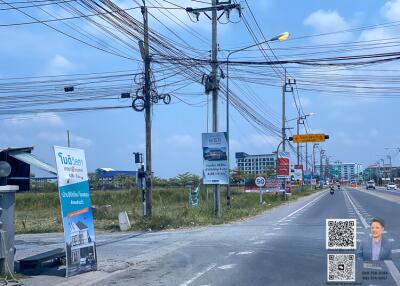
[{"x": 254, "y": 164}]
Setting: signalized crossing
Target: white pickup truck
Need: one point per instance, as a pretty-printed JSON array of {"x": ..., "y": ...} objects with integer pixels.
[{"x": 370, "y": 185}]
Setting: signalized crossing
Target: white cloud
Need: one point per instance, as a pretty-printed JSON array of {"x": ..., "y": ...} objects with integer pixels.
[
  {"x": 36, "y": 120},
  {"x": 59, "y": 65},
  {"x": 391, "y": 10},
  {"x": 55, "y": 137},
  {"x": 328, "y": 21},
  {"x": 181, "y": 139}
]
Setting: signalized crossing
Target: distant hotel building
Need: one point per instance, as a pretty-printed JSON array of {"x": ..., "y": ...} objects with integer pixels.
[
  {"x": 254, "y": 164},
  {"x": 342, "y": 171}
]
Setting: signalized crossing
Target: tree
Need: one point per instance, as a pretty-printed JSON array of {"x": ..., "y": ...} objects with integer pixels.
[
  {"x": 123, "y": 182},
  {"x": 185, "y": 179},
  {"x": 236, "y": 176},
  {"x": 270, "y": 172}
]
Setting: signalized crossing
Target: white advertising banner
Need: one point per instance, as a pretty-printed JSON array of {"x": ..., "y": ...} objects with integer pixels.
[
  {"x": 73, "y": 186},
  {"x": 215, "y": 158}
]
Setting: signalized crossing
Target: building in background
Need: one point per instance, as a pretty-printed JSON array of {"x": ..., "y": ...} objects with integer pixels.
[
  {"x": 254, "y": 164},
  {"x": 347, "y": 172},
  {"x": 344, "y": 172},
  {"x": 108, "y": 174},
  {"x": 382, "y": 174}
]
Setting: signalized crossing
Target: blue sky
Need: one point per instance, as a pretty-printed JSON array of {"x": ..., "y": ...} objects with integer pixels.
[{"x": 359, "y": 128}]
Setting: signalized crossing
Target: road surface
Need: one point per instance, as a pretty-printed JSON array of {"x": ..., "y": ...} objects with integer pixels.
[{"x": 284, "y": 246}]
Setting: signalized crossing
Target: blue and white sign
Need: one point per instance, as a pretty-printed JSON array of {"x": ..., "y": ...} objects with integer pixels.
[
  {"x": 73, "y": 187},
  {"x": 215, "y": 158},
  {"x": 307, "y": 178}
]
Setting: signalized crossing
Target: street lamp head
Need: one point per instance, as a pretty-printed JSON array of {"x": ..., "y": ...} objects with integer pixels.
[{"x": 281, "y": 37}]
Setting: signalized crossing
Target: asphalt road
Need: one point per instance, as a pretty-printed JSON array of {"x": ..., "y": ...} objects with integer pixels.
[{"x": 285, "y": 246}]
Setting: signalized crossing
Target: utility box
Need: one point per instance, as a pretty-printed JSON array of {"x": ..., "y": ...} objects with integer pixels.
[
  {"x": 7, "y": 221},
  {"x": 3, "y": 247}
]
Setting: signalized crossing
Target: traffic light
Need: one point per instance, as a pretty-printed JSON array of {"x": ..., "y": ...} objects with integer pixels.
[{"x": 138, "y": 158}]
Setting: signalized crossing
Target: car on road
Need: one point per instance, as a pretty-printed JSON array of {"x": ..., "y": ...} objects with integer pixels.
[
  {"x": 370, "y": 185},
  {"x": 83, "y": 261},
  {"x": 391, "y": 186}
]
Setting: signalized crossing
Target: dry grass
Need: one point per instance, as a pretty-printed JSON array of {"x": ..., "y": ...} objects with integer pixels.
[{"x": 40, "y": 212}]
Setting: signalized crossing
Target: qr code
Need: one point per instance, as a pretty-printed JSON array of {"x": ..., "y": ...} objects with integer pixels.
[
  {"x": 341, "y": 234},
  {"x": 341, "y": 268}
]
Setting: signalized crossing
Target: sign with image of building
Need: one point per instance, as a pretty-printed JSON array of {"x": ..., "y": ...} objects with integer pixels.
[
  {"x": 73, "y": 186},
  {"x": 215, "y": 158}
]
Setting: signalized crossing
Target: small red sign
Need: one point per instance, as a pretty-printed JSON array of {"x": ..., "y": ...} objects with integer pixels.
[{"x": 283, "y": 167}]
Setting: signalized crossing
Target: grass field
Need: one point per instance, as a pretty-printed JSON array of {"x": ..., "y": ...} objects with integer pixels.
[{"x": 40, "y": 212}]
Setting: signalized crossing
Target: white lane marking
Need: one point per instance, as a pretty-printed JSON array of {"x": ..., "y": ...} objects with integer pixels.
[
  {"x": 391, "y": 239},
  {"x": 198, "y": 275},
  {"x": 366, "y": 226},
  {"x": 276, "y": 228},
  {"x": 360, "y": 232},
  {"x": 395, "y": 250},
  {"x": 393, "y": 271},
  {"x": 389, "y": 263},
  {"x": 228, "y": 266},
  {"x": 314, "y": 200},
  {"x": 244, "y": 252},
  {"x": 283, "y": 224}
]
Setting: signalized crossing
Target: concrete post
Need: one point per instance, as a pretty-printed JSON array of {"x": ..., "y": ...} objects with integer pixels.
[{"x": 7, "y": 217}]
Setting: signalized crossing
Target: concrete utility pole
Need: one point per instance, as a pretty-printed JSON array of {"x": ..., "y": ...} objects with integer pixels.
[
  {"x": 215, "y": 88},
  {"x": 298, "y": 145},
  {"x": 68, "y": 141},
  {"x": 287, "y": 82},
  {"x": 313, "y": 169},
  {"x": 306, "y": 156},
  {"x": 215, "y": 7},
  {"x": 321, "y": 154},
  {"x": 148, "y": 103},
  {"x": 284, "y": 114}
]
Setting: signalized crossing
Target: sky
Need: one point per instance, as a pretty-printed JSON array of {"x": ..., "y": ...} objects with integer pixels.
[{"x": 359, "y": 128}]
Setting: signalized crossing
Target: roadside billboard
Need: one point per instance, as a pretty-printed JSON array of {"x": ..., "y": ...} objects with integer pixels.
[
  {"x": 215, "y": 158},
  {"x": 73, "y": 187},
  {"x": 307, "y": 178},
  {"x": 270, "y": 185},
  {"x": 283, "y": 165},
  {"x": 298, "y": 172}
]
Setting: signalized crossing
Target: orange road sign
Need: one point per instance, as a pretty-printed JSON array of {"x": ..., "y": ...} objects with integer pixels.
[{"x": 302, "y": 138}]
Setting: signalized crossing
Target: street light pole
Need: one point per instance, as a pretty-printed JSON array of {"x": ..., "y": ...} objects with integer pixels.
[
  {"x": 314, "y": 145},
  {"x": 280, "y": 37},
  {"x": 298, "y": 145},
  {"x": 284, "y": 114}
]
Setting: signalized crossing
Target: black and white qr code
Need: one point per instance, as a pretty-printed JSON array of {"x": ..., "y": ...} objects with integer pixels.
[
  {"x": 341, "y": 234},
  {"x": 341, "y": 268}
]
